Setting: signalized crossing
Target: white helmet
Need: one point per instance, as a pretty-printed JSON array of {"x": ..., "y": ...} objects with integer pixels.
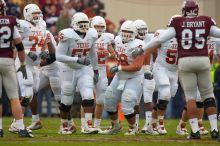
[
  {"x": 128, "y": 31},
  {"x": 142, "y": 28},
  {"x": 32, "y": 13},
  {"x": 99, "y": 24},
  {"x": 80, "y": 22}
]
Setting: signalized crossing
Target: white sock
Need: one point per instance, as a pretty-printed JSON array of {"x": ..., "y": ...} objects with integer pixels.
[
  {"x": 194, "y": 125},
  {"x": 148, "y": 118},
  {"x": 97, "y": 122},
  {"x": 137, "y": 119},
  {"x": 35, "y": 118},
  {"x": 19, "y": 124},
  {"x": 0, "y": 123},
  {"x": 88, "y": 117},
  {"x": 213, "y": 122},
  {"x": 83, "y": 122}
]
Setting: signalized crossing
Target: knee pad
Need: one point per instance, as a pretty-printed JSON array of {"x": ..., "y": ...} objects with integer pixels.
[
  {"x": 65, "y": 108},
  {"x": 129, "y": 116},
  {"x": 164, "y": 92},
  {"x": 88, "y": 103},
  {"x": 199, "y": 104},
  {"x": 129, "y": 99},
  {"x": 112, "y": 113},
  {"x": 87, "y": 94},
  {"x": 162, "y": 104},
  {"x": 209, "y": 102},
  {"x": 25, "y": 102}
]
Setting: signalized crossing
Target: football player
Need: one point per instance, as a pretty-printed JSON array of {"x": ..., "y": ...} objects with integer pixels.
[
  {"x": 127, "y": 84},
  {"x": 192, "y": 32},
  {"x": 76, "y": 49},
  {"x": 10, "y": 36}
]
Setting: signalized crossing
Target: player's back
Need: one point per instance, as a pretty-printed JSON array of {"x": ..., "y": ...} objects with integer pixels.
[
  {"x": 7, "y": 25},
  {"x": 191, "y": 34}
]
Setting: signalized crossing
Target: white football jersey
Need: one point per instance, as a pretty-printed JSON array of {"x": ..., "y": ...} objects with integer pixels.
[
  {"x": 124, "y": 55},
  {"x": 101, "y": 45},
  {"x": 167, "y": 55},
  {"x": 73, "y": 45},
  {"x": 33, "y": 38}
]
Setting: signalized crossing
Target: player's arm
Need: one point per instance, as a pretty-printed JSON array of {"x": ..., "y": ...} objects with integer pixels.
[
  {"x": 135, "y": 66},
  {"x": 93, "y": 57},
  {"x": 168, "y": 34},
  {"x": 111, "y": 51},
  {"x": 214, "y": 31}
]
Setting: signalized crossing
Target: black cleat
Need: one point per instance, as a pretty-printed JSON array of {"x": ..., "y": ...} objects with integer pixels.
[
  {"x": 1, "y": 133},
  {"x": 214, "y": 134},
  {"x": 194, "y": 135},
  {"x": 24, "y": 134}
]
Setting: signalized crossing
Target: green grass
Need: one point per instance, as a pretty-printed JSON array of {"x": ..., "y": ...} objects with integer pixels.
[{"x": 48, "y": 136}]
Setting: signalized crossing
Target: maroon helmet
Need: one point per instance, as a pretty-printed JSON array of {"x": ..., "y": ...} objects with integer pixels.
[
  {"x": 2, "y": 7},
  {"x": 190, "y": 8}
]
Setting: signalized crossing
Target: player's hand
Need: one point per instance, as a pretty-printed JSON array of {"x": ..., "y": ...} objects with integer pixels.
[
  {"x": 22, "y": 69},
  {"x": 44, "y": 55},
  {"x": 84, "y": 61},
  {"x": 32, "y": 55},
  {"x": 114, "y": 69},
  {"x": 96, "y": 77},
  {"x": 137, "y": 52}
]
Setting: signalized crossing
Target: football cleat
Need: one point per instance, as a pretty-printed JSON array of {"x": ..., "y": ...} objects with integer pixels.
[
  {"x": 24, "y": 134},
  {"x": 181, "y": 131},
  {"x": 35, "y": 125},
  {"x": 1, "y": 133},
  {"x": 133, "y": 131},
  {"x": 144, "y": 129},
  {"x": 72, "y": 127},
  {"x": 161, "y": 130},
  {"x": 203, "y": 131},
  {"x": 214, "y": 134},
  {"x": 64, "y": 129},
  {"x": 14, "y": 129},
  {"x": 151, "y": 130},
  {"x": 194, "y": 135},
  {"x": 114, "y": 129}
]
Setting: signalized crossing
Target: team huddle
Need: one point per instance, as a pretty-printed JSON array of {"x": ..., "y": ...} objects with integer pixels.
[{"x": 108, "y": 70}]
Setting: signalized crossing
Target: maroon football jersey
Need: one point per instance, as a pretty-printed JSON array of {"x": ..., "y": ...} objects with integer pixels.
[
  {"x": 7, "y": 24},
  {"x": 191, "y": 35}
]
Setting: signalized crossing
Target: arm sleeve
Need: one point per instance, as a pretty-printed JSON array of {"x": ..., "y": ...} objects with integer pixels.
[
  {"x": 93, "y": 57},
  {"x": 214, "y": 31},
  {"x": 16, "y": 33},
  {"x": 62, "y": 51},
  {"x": 168, "y": 34}
]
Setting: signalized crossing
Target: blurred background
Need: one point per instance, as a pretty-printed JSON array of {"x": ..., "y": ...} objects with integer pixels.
[{"x": 58, "y": 13}]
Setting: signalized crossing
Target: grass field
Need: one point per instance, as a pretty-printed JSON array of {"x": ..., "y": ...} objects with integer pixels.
[{"x": 48, "y": 136}]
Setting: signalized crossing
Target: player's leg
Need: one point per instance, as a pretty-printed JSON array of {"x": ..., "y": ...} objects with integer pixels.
[
  {"x": 188, "y": 80},
  {"x": 112, "y": 98},
  {"x": 85, "y": 85},
  {"x": 100, "y": 93},
  {"x": 1, "y": 129},
  {"x": 148, "y": 89},
  {"x": 206, "y": 91},
  {"x": 68, "y": 85},
  {"x": 9, "y": 80},
  {"x": 181, "y": 128},
  {"x": 132, "y": 90}
]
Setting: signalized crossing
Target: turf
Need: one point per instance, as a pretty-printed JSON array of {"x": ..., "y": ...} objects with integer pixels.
[{"x": 48, "y": 136}]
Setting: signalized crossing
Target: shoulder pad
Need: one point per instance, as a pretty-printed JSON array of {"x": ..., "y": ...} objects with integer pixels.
[
  {"x": 66, "y": 34},
  {"x": 137, "y": 43},
  {"x": 92, "y": 33},
  {"x": 110, "y": 37},
  {"x": 22, "y": 24}
]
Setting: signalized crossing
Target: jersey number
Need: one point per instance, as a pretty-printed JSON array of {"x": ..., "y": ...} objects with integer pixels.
[
  {"x": 171, "y": 56},
  {"x": 35, "y": 39},
  {"x": 187, "y": 38},
  {"x": 5, "y": 34}
]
